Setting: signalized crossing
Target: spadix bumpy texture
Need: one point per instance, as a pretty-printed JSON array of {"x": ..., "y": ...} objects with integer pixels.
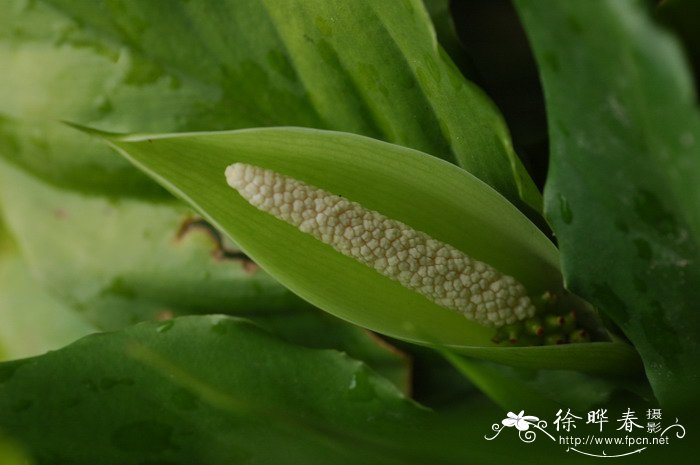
[{"x": 432, "y": 268}]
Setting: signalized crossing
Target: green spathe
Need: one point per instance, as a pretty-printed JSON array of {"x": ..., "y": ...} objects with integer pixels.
[{"x": 421, "y": 191}]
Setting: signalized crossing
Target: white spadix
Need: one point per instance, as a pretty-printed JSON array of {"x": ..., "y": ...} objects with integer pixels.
[{"x": 436, "y": 270}]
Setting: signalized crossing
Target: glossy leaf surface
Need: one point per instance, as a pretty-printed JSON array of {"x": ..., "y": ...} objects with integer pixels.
[
  {"x": 213, "y": 389},
  {"x": 623, "y": 194}
]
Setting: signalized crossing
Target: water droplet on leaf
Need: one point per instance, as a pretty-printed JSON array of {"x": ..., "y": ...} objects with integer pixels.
[
  {"x": 360, "y": 387},
  {"x": 166, "y": 326},
  {"x": 565, "y": 210}
]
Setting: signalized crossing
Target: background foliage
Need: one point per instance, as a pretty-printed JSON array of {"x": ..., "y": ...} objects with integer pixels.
[{"x": 88, "y": 243}]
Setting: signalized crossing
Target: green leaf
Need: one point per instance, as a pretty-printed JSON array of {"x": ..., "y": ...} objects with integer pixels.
[
  {"x": 318, "y": 330},
  {"x": 12, "y": 454},
  {"x": 151, "y": 261},
  {"x": 120, "y": 261},
  {"x": 379, "y": 176},
  {"x": 198, "y": 390},
  {"x": 31, "y": 321},
  {"x": 77, "y": 162},
  {"x": 446, "y": 33},
  {"x": 623, "y": 194},
  {"x": 152, "y": 66},
  {"x": 418, "y": 190},
  {"x": 211, "y": 390},
  {"x": 541, "y": 390},
  {"x": 681, "y": 17},
  {"x": 6, "y": 242},
  {"x": 502, "y": 63}
]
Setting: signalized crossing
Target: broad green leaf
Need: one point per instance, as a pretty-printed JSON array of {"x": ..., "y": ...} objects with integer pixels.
[
  {"x": 204, "y": 390},
  {"x": 418, "y": 190},
  {"x": 31, "y": 321},
  {"x": 154, "y": 66},
  {"x": 623, "y": 194},
  {"x": 211, "y": 390},
  {"x": 120, "y": 261},
  {"x": 318, "y": 330}
]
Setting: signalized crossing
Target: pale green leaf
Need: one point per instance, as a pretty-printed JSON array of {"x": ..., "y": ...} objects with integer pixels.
[
  {"x": 31, "y": 321},
  {"x": 124, "y": 260},
  {"x": 208, "y": 65}
]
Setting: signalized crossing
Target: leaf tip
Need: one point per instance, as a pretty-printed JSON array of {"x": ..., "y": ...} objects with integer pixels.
[{"x": 111, "y": 136}]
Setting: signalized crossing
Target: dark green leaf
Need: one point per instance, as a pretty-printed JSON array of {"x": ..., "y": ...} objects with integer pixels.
[
  {"x": 681, "y": 16},
  {"x": 502, "y": 63},
  {"x": 623, "y": 194},
  {"x": 201, "y": 390},
  {"x": 163, "y": 67},
  {"x": 316, "y": 329},
  {"x": 211, "y": 390},
  {"x": 543, "y": 390},
  {"x": 441, "y": 17}
]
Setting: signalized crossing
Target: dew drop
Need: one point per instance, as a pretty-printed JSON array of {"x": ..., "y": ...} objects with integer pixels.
[
  {"x": 219, "y": 327},
  {"x": 565, "y": 210},
  {"x": 165, "y": 326},
  {"x": 360, "y": 387}
]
